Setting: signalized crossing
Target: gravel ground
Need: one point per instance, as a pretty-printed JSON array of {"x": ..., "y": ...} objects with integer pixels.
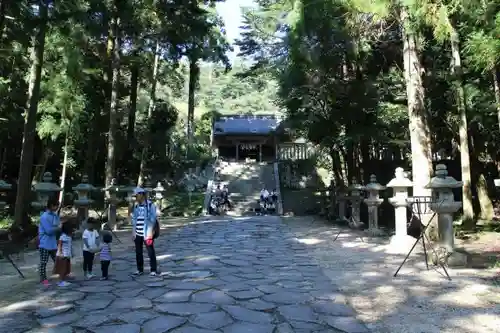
[{"x": 416, "y": 300}]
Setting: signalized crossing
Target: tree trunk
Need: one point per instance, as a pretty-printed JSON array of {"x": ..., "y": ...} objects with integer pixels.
[
  {"x": 151, "y": 108},
  {"x": 26, "y": 160},
  {"x": 419, "y": 129},
  {"x": 42, "y": 162},
  {"x": 456, "y": 68},
  {"x": 3, "y": 12},
  {"x": 496, "y": 84},
  {"x": 350, "y": 162},
  {"x": 193, "y": 79},
  {"x": 4, "y": 162},
  {"x": 64, "y": 169},
  {"x": 364, "y": 152},
  {"x": 337, "y": 168},
  {"x": 113, "y": 109},
  {"x": 134, "y": 86}
]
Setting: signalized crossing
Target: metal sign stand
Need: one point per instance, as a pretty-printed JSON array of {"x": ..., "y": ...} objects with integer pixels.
[{"x": 421, "y": 205}]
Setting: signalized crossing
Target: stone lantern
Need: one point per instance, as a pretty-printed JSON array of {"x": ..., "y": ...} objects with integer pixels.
[
  {"x": 4, "y": 186},
  {"x": 148, "y": 187},
  {"x": 341, "y": 197},
  {"x": 159, "y": 192},
  {"x": 130, "y": 198},
  {"x": 373, "y": 202},
  {"x": 113, "y": 190},
  {"x": 445, "y": 206},
  {"x": 355, "y": 197},
  {"x": 83, "y": 202},
  {"x": 401, "y": 242},
  {"x": 44, "y": 190}
]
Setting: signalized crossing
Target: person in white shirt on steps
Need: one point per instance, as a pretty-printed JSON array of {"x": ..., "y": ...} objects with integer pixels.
[
  {"x": 91, "y": 244},
  {"x": 264, "y": 195}
]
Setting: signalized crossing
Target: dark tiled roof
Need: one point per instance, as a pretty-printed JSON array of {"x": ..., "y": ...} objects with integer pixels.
[{"x": 241, "y": 124}]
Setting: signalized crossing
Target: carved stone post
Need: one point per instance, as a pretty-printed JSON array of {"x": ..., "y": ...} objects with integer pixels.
[
  {"x": 341, "y": 202},
  {"x": 83, "y": 201},
  {"x": 112, "y": 203},
  {"x": 373, "y": 201},
  {"x": 159, "y": 192},
  {"x": 355, "y": 198},
  {"x": 400, "y": 242},
  {"x": 129, "y": 190}
]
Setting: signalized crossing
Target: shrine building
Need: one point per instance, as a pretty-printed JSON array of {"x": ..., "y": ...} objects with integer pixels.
[{"x": 256, "y": 137}]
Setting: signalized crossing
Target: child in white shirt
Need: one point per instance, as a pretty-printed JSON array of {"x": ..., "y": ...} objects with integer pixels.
[
  {"x": 64, "y": 254},
  {"x": 90, "y": 247}
]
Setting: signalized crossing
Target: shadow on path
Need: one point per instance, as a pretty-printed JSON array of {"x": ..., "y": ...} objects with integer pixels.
[{"x": 416, "y": 300}]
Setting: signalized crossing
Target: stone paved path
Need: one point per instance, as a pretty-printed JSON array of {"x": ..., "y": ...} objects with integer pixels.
[{"x": 236, "y": 276}]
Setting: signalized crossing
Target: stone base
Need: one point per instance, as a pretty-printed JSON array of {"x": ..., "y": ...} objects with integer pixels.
[
  {"x": 400, "y": 244},
  {"x": 455, "y": 259},
  {"x": 375, "y": 232}
]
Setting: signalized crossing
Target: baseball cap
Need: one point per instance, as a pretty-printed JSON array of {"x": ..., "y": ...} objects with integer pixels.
[{"x": 139, "y": 190}]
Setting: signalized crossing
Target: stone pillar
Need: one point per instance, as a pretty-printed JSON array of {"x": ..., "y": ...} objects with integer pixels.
[
  {"x": 130, "y": 198},
  {"x": 260, "y": 152},
  {"x": 83, "y": 201},
  {"x": 373, "y": 201},
  {"x": 159, "y": 191},
  {"x": 112, "y": 202},
  {"x": 400, "y": 243},
  {"x": 341, "y": 201},
  {"x": 355, "y": 198},
  {"x": 445, "y": 206}
]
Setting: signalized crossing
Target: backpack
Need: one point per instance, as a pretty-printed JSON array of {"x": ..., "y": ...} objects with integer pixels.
[{"x": 156, "y": 227}]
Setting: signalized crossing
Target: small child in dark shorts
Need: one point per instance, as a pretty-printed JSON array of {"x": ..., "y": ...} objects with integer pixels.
[{"x": 105, "y": 255}]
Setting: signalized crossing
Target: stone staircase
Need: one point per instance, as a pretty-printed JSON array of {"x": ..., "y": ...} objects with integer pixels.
[{"x": 244, "y": 181}]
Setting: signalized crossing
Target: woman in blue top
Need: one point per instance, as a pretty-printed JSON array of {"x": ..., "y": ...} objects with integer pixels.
[{"x": 47, "y": 230}]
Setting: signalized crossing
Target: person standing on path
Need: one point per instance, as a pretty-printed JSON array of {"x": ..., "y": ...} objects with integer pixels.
[
  {"x": 64, "y": 254},
  {"x": 143, "y": 226},
  {"x": 105, "y": 255},
  {"x": 91, "y": 245},
  {"x": 47, "y": 237}
]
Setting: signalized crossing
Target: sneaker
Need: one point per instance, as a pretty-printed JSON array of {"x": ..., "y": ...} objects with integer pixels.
[
  {"x": 90, "y": 275},
  {"x": 103, "y": 278},
  {"x": 45, "y": 283},
  {"x": 137, "y": 273},
  {"x": 153, "y": 274},
  {"x": 63, "y": 284}
]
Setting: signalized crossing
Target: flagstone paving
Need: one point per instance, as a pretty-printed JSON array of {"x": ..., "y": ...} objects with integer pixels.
[{"x": 233, "y": 276}]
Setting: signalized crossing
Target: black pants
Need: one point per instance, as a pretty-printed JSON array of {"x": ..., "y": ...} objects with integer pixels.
[
  {"x": 105, "y": 268},
  {"x": 88, "y": 261},
  {"x": 44, "y": 258},
  {"x": 139, "y": 246}
]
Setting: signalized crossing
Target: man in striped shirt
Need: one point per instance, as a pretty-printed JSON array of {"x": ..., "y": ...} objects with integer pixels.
[{"x": 143, "y": 223}]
